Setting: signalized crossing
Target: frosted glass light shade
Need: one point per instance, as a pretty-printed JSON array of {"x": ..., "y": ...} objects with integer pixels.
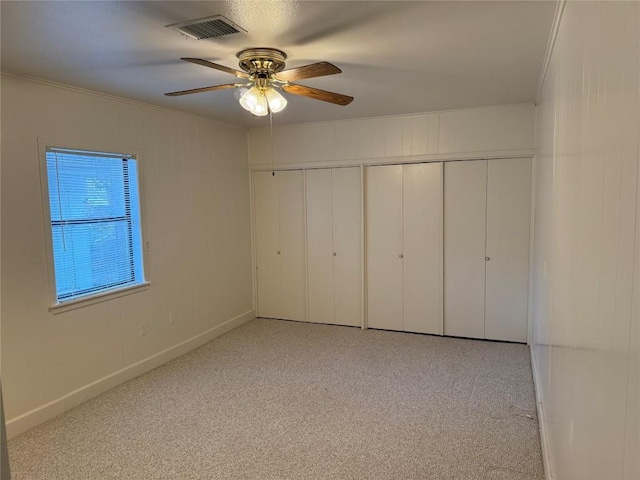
[
  {"x": 239, "y": 92},
  {"x": 276, "y": 101},
  {"x": 249, "y": 100},
  {"x": 255, "y": 102},
  {"x": 261, "y": 108}
]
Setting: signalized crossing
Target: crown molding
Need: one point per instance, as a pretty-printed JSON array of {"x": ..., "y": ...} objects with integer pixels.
[{"x": 551, "y": 43}]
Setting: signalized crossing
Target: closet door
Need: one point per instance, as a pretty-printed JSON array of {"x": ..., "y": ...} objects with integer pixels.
[
  {"x": 292, "y": 245},
  {"x": 266, "y": 201},
  {"x": 422, "y": 247},
  {"x": 465, "y": 194},
  {"x": 384, "y": 247},
  {"x": 320, "y": 245},
  {"x": 508, "y": 224},
  {"x": 347, "y": 240}
]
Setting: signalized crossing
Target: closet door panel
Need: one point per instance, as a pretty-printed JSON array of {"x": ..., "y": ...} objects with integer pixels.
[
  {"x": 292, "y": 245},
  {"x": 508, "y": 226},
  {"x": 267, "y": 244},
  {"x": 347, "y": 241},
  {"x": 320, "y": 245},
  {"x": 422, "y": 248},
  {"x": 465, "y": 196},
  {"x": 384, "y": 245}
]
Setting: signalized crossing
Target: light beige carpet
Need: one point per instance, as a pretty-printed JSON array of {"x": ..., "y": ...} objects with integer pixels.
[{"x": 284, "y": 400}]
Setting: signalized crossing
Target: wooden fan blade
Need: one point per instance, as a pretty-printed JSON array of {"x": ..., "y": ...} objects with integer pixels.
[
  {"x": 216, "y": 66},
  {"x": 318, "y": 94},
  {"x": 198, "y": 90},
  {"x": 312, "y": 70}
]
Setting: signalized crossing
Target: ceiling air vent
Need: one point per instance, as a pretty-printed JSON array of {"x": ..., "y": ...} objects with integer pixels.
[{"x": 208, "y": 27}]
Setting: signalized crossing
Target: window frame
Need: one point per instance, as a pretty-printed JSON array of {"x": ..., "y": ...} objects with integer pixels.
[{"x": 55, "y": 306}]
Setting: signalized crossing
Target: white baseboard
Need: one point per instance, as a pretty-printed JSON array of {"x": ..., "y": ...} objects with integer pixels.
[
  {"x": 46, "y": 412},
  {"x": 544, "y": 444}
]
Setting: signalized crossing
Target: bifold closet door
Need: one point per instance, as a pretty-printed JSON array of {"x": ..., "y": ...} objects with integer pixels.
[
  {"x": 422, "y": 248},
  {"x": 334, "y": 245},
  {"x": 347, "y": 239},
  {"x": 487, "y": 225},
  {"x": 465, "y": 195},
  {"x": 292, "y": 245},
  {"x": 404, "y": 247},
  {"x": 384, "y": 247},
  {"x": 267, "y": 205},
  {"x": 508, "y": 228},
  {"x": 320, "y": 245},
  {"x": 280, "y": 244}
]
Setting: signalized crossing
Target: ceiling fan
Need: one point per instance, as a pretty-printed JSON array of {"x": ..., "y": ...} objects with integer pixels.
[{"x": 264, "y": 70}]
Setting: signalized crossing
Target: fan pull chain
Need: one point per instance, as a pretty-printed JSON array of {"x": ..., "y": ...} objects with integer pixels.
[{"x": 273, "y": 172}]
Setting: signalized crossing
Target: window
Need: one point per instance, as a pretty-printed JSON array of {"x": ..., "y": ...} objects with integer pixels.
[{"x": 95, "y": 222}]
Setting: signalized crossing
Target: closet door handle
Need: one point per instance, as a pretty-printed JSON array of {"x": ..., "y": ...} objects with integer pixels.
[
  {"x": 401, "y": 256},
  {"x": 278, "y": 252},
  {"x": 487, "y": 258},
  {"x": 334, "y": 254}
]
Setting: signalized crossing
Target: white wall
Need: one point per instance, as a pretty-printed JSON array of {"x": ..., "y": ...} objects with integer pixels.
[
  {"x": 586, "y": 245},
  {"x": 458, "y": 134},
  {"x": 196, "y": 216}
]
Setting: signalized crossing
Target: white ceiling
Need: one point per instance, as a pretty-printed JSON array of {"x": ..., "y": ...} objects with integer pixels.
[{"x": 396, "y": 57}]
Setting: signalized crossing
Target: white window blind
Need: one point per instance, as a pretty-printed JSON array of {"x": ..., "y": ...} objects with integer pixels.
[{"x": 95, "y": 222}]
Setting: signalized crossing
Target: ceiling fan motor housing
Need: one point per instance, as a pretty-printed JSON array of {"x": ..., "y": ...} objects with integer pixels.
[{"x": 262, "y": 60}]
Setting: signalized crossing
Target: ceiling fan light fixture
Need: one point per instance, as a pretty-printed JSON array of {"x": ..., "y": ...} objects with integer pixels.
[
  {"x": 259, "y": 101},
  {"x": 264, "y": 70},
  {"x": 276, "y": 101}
]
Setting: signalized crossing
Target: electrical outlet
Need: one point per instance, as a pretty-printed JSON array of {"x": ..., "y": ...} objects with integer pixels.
[
  {"x": 172, "y": 318},
  {"x": 143, "y": 329}
]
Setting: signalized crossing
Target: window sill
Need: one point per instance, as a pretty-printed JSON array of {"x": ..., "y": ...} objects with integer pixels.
[{"x": 98, "y": 298}]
